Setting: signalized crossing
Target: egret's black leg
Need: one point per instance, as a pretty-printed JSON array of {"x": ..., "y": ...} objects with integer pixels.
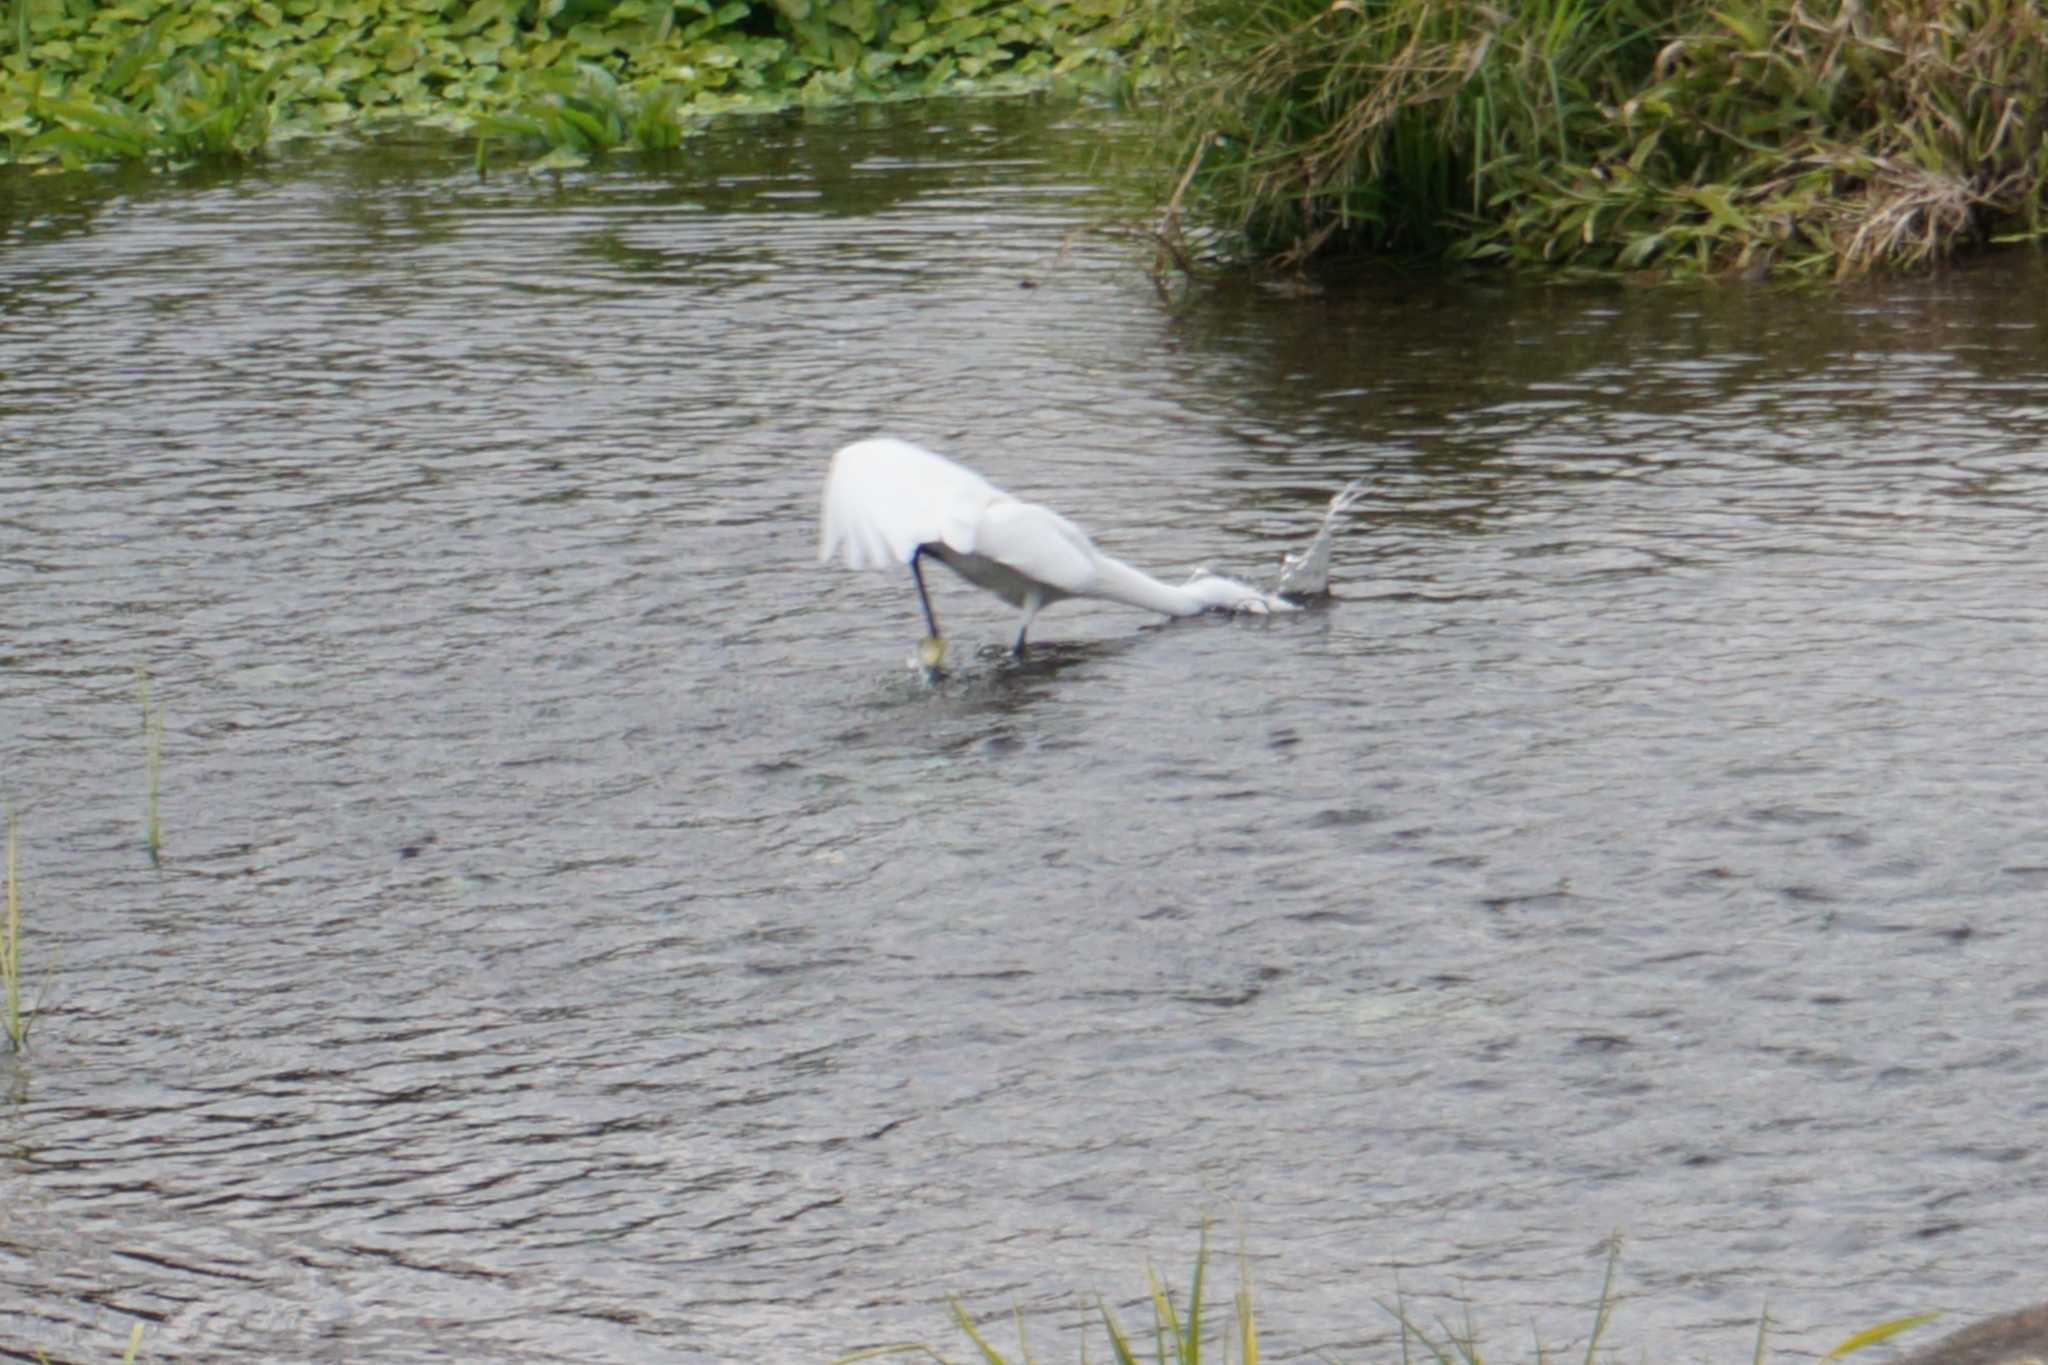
[
  {"x": 917, "y": 572},
  {"x": 1031, "y": 606}
]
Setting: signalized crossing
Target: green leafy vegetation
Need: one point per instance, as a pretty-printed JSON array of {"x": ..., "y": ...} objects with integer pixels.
[
  {"x": 1811, "y": 136},
  {"x": 84, "y": 81}
]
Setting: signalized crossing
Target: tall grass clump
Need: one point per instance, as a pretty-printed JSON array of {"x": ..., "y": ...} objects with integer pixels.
[{"x": 1818, "y": 136}]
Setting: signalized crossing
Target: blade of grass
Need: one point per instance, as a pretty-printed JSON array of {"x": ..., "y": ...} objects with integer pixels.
[
  {"x": 153, "y": 750},
  {"x": 1191, "y": 1353},
  {"x": 1605, "y": 1313},
  {"x": 1883, "y": 1331},
  {"x": 15, "y": 1022},
  {"x": 989, "y": 1354},
  {"x": 1119, "y": 1344},
  {"x": 1247, "y": 1325},
  {"x": 900, "y": 1348}
]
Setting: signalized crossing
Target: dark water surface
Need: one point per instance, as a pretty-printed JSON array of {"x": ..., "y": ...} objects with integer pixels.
[{"x": 579, "y": 938}]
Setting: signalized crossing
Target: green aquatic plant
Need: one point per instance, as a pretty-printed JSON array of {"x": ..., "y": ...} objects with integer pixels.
[
  {"x": 196, "y": 111},
  {"x": 191, "y": 79},
  {"x": 214, "y": 110},
  {"x": 585, "y": 113},
  {"x": 656, "y": 121}
]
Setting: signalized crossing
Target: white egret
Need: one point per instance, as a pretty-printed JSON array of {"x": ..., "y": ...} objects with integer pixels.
[{"x": 888, "y": 502}]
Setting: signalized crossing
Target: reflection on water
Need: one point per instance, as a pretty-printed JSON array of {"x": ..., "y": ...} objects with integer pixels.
[{"x": 582, "y": 937}]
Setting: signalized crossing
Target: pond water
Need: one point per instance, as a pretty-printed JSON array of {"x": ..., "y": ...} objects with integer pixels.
[{"x": 580, "y": 936}]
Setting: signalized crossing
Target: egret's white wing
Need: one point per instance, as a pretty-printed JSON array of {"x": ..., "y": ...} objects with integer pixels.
[
  {"x": 1038, "y": 543},
  {"x": 884, "y": 498}
]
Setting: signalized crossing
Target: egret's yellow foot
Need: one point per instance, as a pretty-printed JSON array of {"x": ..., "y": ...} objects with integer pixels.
[{"x": 931, "y": 652}]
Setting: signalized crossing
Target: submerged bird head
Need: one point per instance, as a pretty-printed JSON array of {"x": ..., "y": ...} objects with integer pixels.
[{"x": 1214, "y": 592}]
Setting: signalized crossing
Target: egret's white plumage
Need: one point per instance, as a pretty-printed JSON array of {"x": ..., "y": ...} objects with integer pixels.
[{"x": 889, "y": 503}]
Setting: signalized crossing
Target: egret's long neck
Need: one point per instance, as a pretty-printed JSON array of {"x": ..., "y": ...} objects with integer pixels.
[{"x": 1120, "y": 582}]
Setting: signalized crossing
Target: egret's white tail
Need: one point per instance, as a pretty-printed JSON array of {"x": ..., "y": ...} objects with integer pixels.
[{"x": 1308, "y": 574}]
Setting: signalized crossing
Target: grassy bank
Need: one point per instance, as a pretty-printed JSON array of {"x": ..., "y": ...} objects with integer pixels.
[
  {"x": 1807, "y": 136},
  {"x": 84, "y": 81}
]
